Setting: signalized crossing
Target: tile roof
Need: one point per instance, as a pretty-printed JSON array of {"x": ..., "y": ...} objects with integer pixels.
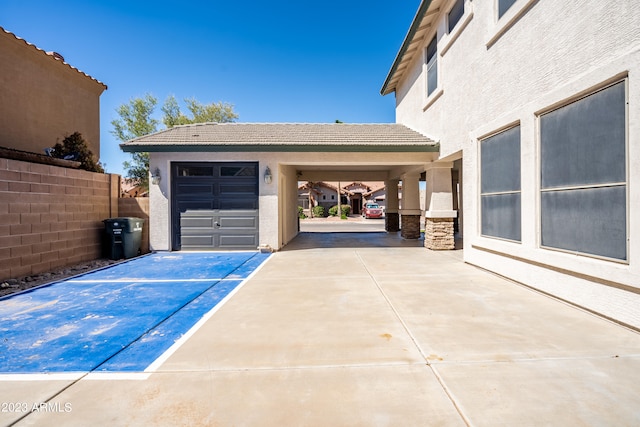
[
  {"x": 54, "y": 56},
  {"x": 290, "y": 136}
]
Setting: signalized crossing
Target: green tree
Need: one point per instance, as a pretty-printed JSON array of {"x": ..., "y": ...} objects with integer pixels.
[
  {"x": 136, "y": 120},
  {"x": 74, "y": 147},
  {"x": 216, "y": 112}
]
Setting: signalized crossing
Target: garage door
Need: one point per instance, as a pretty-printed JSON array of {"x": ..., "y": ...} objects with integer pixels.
[{"x": 214, "y": 206}]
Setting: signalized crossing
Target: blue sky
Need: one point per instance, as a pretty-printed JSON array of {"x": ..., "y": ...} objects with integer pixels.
[{"x": 275, "y": 61}]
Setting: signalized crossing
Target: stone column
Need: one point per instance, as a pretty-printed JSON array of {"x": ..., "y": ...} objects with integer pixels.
[
  {"x": 410, "y": 210},
  {"x": 439, "y": 213},
  {"x": 392, "y": 205}
]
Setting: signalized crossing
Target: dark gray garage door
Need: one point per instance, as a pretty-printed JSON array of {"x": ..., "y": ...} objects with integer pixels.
[{"x": 214, "y": 206}]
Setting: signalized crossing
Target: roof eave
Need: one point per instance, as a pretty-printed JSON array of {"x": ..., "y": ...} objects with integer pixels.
[
  {"x": 422, "y": 10},
  {"x": 287, "y": 148}
]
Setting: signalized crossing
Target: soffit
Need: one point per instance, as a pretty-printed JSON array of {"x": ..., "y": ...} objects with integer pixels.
[{"x": 423, "y": 25}]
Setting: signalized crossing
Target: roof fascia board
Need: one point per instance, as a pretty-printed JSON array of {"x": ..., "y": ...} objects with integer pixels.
[
  {"x": 285, "y": 148},
  {"x": 413, "y": 29}
]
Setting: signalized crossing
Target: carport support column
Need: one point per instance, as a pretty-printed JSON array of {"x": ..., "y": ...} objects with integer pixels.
[
  {"x": 439, "y": 215},
  {"x": 392, "y": 205},
  {"x": 410, "y": 211}
]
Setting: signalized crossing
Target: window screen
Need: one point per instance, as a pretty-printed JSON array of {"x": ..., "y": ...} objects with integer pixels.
[
  {"x": 583, "y": 175},
  {"x": 432, "y": 66},
  {"x": 503, "y": 6},
  {"x": 455, "y": 14},
  {"x": 584, "y": 142},
  {"x": 500, "y": 185}
]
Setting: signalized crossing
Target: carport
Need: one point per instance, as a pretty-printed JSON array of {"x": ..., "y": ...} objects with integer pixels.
[{"x": 234, "y": 185}]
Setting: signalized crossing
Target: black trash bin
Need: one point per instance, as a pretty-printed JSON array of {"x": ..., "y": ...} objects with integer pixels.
[{"x": 123, "y": 237}]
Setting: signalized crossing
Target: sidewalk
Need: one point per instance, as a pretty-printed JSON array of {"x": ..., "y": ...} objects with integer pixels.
[{"x": 365, "y": 335}]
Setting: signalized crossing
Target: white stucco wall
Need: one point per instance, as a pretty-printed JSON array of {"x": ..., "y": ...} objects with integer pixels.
[{"x": 555, "y": 51}]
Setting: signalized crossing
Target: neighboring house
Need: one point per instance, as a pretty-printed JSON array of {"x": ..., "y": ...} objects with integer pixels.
[
  {"x": 128, "y": 188},
  {"x": 376, "y": 194},
  {"x": 44, "y": 99},
  {"x": 325, "y": 194},
  {"x": 357, "y": 199},
  {"x": 322, "y": 194},
  {"x": 534, "y": 104}
]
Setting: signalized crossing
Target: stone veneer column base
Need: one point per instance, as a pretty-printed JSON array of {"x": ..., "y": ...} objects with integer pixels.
[
  {"x": 410, "y": 226},
  {"x": 438, "y": 234},
  {"x": 392, "y": 222}
]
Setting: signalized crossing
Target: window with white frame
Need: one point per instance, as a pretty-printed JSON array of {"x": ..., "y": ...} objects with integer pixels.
[
  {"x": 500, "y": 192},
  {"x": 454, "y": 15},
  {"x": 431, "y": 55},
  {"x": 583, "y": 180},
  {"x": 503, "y": 6}
]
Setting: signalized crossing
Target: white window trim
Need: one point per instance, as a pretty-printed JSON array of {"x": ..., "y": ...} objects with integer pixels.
[
  {"x": 435, "y": 95},
  {"x": 511, "y": 16},
  {"x": 448, "y": 39}
]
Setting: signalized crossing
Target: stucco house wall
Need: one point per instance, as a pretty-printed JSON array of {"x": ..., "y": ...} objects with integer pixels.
[
  {"x": 44, "y": 99},
  {"x": 493, "y": 73}
]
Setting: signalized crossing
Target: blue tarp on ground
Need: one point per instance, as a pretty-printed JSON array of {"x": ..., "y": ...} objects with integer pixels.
[{"x": 117, "y": 319}]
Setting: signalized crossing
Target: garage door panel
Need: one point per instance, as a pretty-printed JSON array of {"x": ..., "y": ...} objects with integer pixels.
[
  {"x": 248, "y": 222},
  {"x": 196, "y": 222},
  {"x": 192, "y": 206},
  {"x": 195, "y": 188},
  {"x": 239, "y": 189},
  {"x": 198, "y": 240},
  {"x": 238, "y": 204},
  {"x": 238, "y": 241}
]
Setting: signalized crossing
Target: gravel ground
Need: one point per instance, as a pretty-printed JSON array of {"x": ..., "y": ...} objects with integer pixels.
[{"x": 11, "y": 286}]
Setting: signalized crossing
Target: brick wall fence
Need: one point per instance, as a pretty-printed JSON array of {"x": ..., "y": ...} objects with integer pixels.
[{"x": 51, "y": 216}]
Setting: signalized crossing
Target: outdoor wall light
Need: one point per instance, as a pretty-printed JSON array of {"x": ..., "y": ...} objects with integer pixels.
[
  {"x": 155, "y": 176},
  {"x": 267, "y": 176}
]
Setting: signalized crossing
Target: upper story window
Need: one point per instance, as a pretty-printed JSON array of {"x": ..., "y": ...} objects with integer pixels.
[
  {"x": 432, "y": 65},
  {"x": 503, "y": 6},
  {"x": 455, "y": 14}
]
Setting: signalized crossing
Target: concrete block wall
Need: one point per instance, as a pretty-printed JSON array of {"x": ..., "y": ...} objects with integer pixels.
[{"x": 51, "y": 216}]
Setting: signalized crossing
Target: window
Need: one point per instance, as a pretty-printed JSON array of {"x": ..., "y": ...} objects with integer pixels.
[
  {"x": 432, "y": 65},
  {"x": 503, "y": 6},
  {"x": 185, "y": 170},
  {"x": 500, "y": 185},
  {"x": 455, "y": 14},
  {"x": 583, "y": 184},
  {"x": 238, "y": 171}
]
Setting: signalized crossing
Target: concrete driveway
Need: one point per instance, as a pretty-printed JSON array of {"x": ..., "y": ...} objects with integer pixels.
[{"x": 368, "y": 330}]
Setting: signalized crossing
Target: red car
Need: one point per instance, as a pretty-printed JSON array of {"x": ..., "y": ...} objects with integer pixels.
[{"x": 372, "y": 210}]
